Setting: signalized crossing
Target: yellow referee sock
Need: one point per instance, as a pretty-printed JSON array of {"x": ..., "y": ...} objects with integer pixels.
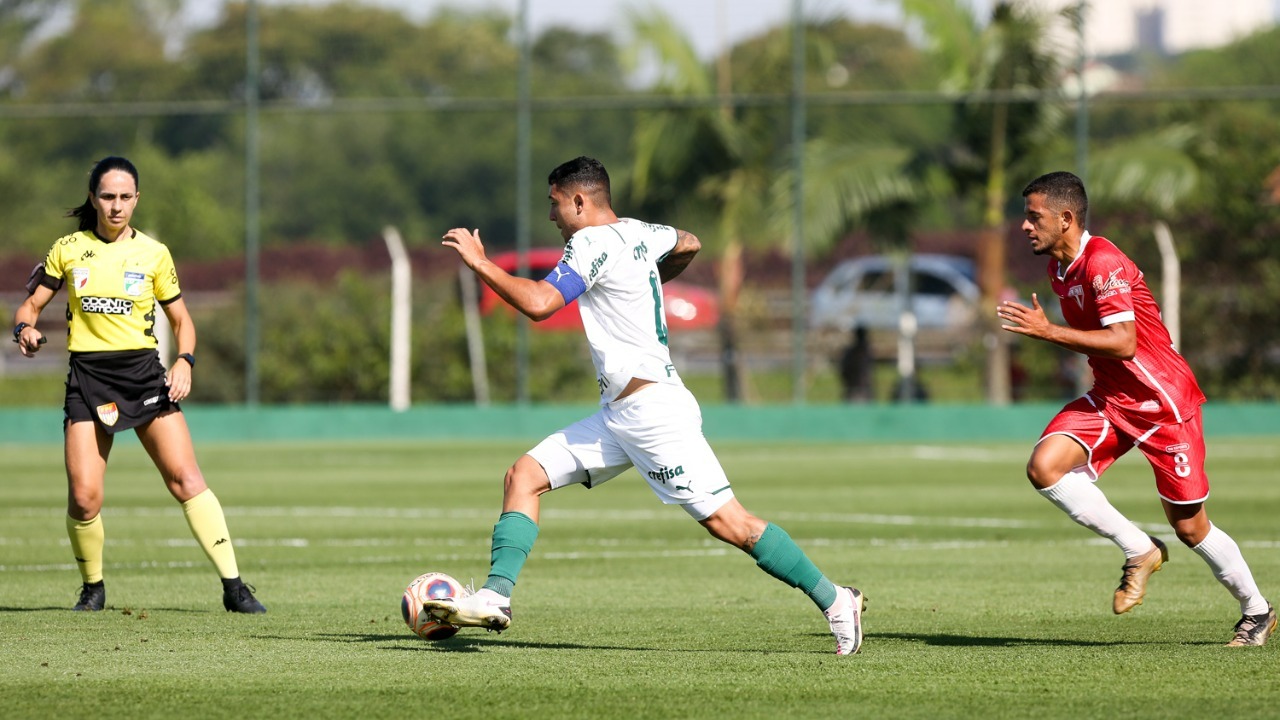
[
  {"x": 209, "y": 526},
  {"x": 87, "y": 539}
]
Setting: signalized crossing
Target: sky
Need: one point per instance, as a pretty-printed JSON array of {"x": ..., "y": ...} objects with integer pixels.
[
  {"x": 710, "y": 24},
  {"x": 715, "y": 24}
]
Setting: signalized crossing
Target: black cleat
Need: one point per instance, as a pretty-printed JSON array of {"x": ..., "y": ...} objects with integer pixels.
[
  {"x": 93, "y": 596},
  {"x": 238, "y": 597}
]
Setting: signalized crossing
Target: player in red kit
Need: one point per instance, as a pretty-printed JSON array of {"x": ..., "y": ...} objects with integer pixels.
[{"x": 1144, "y": 396}]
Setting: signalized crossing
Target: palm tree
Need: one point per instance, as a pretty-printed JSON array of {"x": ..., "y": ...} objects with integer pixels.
[
  {"x": 702, "y": 147},
  {"x": 736, "y": 161},
  {"x": 1008, "y": 56},
  {"x": 1153, "y": 171}
]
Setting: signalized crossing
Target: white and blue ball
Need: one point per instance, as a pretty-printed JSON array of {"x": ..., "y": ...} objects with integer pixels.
[{"x": 429, "y": 586}]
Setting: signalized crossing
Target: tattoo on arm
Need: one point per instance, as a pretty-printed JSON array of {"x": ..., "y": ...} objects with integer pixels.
[{"x": 687, "y": 245}]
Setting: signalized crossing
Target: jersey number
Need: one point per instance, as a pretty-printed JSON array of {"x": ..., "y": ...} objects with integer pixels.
[{"x": 659, "y": 317}]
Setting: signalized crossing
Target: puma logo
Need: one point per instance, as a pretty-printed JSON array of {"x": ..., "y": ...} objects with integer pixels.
[{"x": 219, "y": 542}]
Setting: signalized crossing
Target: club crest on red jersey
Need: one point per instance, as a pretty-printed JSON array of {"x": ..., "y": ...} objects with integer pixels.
[{"x": 1077, "y": 292}]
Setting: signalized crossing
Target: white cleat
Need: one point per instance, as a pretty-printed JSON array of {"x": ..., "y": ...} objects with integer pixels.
[
  {"x": 486, "y": 609},
  {"x": 845, "y": 616}
]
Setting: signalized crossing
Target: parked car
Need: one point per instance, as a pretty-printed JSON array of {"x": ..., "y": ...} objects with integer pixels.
[
  {"x": 689, "y": 307},
  {"x": 864, "y": 293}
]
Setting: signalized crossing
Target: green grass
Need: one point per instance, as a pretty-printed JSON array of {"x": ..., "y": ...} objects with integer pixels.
[{"x": 984, "y": 601}]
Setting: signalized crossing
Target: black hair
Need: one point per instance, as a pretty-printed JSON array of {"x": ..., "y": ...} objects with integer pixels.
[
  {"x": 86, "y": 213},
  {"x": 585, "y": 174},
  {"x": 1064, "y": 191}
]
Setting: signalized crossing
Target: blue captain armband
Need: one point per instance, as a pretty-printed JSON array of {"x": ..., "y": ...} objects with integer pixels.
[{"x": 567, "y": 281}]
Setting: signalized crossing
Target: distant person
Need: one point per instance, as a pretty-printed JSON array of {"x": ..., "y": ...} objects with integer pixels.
[
  {"x": 647, "y": 418},
  {"x": 1144, "y": 395},
  {"x": 115, "y": 276},
  {"x": 856, "y": 366},
  {"x": 1019, "y": 378},
  {"x": 909, "y": 389}
]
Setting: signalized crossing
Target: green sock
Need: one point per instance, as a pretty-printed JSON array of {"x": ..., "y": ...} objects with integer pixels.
[
  {"x": 777, "y": 554},
  {"x": 513, "y": 539}
]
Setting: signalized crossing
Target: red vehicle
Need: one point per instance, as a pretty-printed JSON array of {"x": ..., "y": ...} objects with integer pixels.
[{"x": 689, "y": 307}]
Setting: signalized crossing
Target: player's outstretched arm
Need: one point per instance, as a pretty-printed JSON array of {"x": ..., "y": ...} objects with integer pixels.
[
  {"x": 687, "y": 245},
  {"x": 537, "y": 299},
  {"x": 1117, "y": 341}
]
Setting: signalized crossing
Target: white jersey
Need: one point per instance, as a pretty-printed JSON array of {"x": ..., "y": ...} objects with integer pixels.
[{"x": 620, "y": 299}]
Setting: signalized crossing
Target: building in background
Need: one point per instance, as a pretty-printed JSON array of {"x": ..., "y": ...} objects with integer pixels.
[{"x": 1115, "y": 27}]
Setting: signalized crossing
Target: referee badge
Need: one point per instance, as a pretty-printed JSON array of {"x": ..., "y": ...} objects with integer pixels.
[
  {"x": 133, "y": 283},
  {"x": 80, "y": 277},
  {"x": 108, "y": 414}
]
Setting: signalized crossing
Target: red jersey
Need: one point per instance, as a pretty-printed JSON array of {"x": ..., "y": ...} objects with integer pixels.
[{"x": 1102, "y": 287}]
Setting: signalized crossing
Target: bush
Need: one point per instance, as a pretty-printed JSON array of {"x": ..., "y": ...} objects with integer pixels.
[{"x": 322, "y": 344}]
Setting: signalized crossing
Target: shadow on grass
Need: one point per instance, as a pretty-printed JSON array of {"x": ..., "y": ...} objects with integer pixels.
[
  {"x": 110, "y": 610},
  {"x": 461, "y": 643},
  {"x": 943, "y": 640},
  {"x": 457, "y": 643}
]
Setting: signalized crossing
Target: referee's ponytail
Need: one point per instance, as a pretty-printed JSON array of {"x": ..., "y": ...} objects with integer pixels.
[{"x": 87, "y": 214}]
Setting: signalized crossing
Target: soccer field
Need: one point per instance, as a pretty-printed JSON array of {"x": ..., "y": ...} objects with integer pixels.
[{"x": 983, "y": 599}]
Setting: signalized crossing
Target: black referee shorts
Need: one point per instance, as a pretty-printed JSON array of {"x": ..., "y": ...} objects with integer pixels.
[{"x": 117, "y": 390}]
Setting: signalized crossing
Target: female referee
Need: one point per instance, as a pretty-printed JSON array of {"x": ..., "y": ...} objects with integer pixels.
[{"x": 115, "y": 276}]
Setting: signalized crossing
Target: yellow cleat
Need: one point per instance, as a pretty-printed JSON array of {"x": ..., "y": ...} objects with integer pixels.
[
  {"x": 1254, "y": 629},
  {"x": 1133, "y": 584}
]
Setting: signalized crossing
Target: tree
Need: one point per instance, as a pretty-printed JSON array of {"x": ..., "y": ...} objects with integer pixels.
[
  {"x": 18, "y": 20},
  {"x": 726, "y": 167},
  {"x": 346, "y": 145},
  {"x": 1203, "y": 166},
  {"x": 1227, "y": 226},
  {"x": 1008, "y": 55}
]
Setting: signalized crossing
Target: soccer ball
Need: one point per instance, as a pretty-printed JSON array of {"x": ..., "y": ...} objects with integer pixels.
[{"x": 429, "y": 586}]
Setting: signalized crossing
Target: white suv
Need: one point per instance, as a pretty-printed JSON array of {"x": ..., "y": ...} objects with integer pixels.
[{"x": 869, "y": 292}]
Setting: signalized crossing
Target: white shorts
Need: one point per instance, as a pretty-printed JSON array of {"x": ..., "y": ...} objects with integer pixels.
[{"x": 658, "y": 430}]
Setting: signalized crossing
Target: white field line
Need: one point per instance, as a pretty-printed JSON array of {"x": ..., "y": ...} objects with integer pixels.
[
  {"x": 876, "y": 519},
  {"x": 482, "y": 554},
  {"x": 581, "y": 555},
  {"x": 657, "y": 514}
]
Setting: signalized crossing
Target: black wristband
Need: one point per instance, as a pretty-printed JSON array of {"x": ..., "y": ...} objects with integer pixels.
[
  {"x": 17, "y": 330},
  {"x": 191, "y": 359}
]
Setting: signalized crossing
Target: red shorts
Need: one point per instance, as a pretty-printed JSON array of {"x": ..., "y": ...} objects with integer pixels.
[{"x": 1176, "y": 452}]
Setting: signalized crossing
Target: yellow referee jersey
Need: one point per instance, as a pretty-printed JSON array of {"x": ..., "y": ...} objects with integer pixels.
[{"x": 112, "y": 289}]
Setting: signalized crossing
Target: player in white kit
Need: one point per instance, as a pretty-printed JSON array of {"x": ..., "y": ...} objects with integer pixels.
[{"x": 615, "y": 268}]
